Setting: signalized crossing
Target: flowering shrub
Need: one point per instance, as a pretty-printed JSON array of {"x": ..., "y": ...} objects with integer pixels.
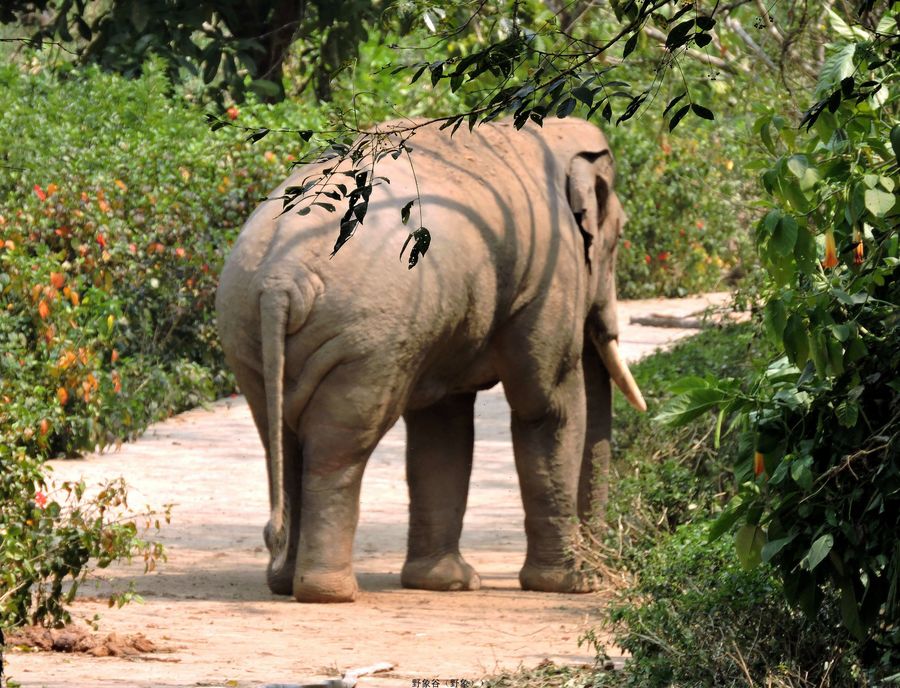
[
  {"x": 685, "y": 199},
  {"x": 117, "y": 206}
]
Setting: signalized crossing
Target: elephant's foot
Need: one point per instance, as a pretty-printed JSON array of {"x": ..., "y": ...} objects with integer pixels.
[
  {"x": 556, "y": 579},
  {"x": 321, "y": 586},
  {"x": 281, "y": 580},
  {"x": 446, "y": 572}
]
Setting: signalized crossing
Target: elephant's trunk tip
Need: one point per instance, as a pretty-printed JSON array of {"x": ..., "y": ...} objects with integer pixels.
[{"x": 620, "y": 374}]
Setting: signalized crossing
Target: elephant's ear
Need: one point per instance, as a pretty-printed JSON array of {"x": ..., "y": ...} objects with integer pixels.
[{"x": 589, "y": 185}]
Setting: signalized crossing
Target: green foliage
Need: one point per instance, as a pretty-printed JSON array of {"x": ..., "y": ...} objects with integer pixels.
[
  {"x": 696, "y": 617},
  {"x": 117, "y": 212},
  {"x": 116, "y": 209},
  {"x": 819, "y": 466},
  {"x": 681, "y": 237},
  {"x": 48, "y": 535},
  {"x": 219, "y": 46},
  {"x": 663, "y": 480}
]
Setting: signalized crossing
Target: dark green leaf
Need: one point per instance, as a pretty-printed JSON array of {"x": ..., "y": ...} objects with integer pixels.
[
  {"x": 818, "y": 551},
  {"x": 678, "y": 36},
  {"x": 678, "y": 116},
  {"x": 565, "y": 109},
  {"x": 703, "y": 112},
  {"x": 748, "y": 543},
  {"x": 673, "y": 102},
  {"x": 796, "y": 341},
  {"x": 211, "y": 67},
  {"x": 630, "y": 45},
  {"x": 405, "y": 211},
  {"x": 257, "y": 135}
]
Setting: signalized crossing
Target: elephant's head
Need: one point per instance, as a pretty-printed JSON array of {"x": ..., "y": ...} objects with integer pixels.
[{"x": 589, "y": 183}]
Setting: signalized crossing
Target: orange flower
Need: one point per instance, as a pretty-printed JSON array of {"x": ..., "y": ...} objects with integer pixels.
[
  {"x": 43, "y": 310},
  {"x": 62, "y": 395},
  {"x": 859, "y": 249},
  {"x": 831, "y": 260},
  {"x": 57, "y": 279},
  {"x": 180, "y": 252},
  {"x": 114, "y": 356},
  {"x": 759, "y": 464},
  {"x": 52, "y": 189},
  {"x": 232, "y": 112},
  {"x": 121, "y": 184},
  {"x": 117, "y": 382}
]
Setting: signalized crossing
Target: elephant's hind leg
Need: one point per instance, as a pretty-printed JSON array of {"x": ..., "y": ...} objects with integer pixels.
[
  {"x": 280, "y": 580},
  {"x": 438, "y": 465}
]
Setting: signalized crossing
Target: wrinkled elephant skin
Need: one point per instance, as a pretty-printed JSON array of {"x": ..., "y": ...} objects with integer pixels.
[{"x": 518, "y": 287}]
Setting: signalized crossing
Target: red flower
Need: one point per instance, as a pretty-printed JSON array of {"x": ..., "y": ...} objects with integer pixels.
[
  {"x": 101, "y": 240},
  {"x": 232, "y": 112},
  {"x": 831, "y": 260},
  {"x": 40, "y": 192},
  {"x": 663, "y": 256},
  {"x": 759, "y": 464},
  {"x": 647, "y": 258},
  {"x": 626, "y": 244},
  {"x": 40, "y": 499}
]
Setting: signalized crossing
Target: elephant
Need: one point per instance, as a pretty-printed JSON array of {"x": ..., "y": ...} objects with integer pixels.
[{"x": 518, "y": 287}]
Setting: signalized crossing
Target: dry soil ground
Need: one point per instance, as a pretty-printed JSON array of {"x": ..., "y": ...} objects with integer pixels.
[{"x": 209, "y": 609}]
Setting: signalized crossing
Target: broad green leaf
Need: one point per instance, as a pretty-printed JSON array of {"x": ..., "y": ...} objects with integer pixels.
[
  {"x": 837, "y": 67},
  {"x": 775, "y": 319},
  {"x": 818, "y": 551},
  {"x": 801, "y": 472},
  {"x": 770, "y": 549},
  {"x": 835, "y": 356},
  {"x": 850, "y": 610},
  {"x": 798, "y": 164},
  {"x": 847, "y": 413},
  {"x": 878, "y": 202},
  {"x": 794, "y": 195},
  {"x": 805, "y": 250},
  {"x": 796, "y": 340},
  {"x": 685, "y": 407},
  {"x": 845, "y": 30},
  {"x": 785, "y": 235},
  {"x": 726, "y": 520},
  {"x": 819, "y": 350},
  {"x": 748, "y": 543}
]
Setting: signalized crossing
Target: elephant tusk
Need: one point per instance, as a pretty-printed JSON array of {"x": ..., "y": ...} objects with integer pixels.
[{"x": 620, "y": 374}]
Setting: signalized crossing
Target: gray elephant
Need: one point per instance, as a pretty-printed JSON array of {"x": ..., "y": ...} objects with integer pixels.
[{"x": 518, "y": 288}]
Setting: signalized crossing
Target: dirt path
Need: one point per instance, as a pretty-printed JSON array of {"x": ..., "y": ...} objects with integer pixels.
[{"x": 209, "y": 605}]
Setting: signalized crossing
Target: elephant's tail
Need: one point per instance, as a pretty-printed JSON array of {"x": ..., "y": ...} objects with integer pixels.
[{"x": 274, "y": 309}]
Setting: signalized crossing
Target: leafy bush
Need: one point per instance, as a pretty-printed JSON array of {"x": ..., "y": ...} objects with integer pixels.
[
  {"x": 48, "y": 534},
  {"x": 116, "y": 208},
  {"x": 819, "y": 428},
  {"x": 686, "y": 201},
  {"x": 697, "y": 618},
  {"x": 664, "y": 479}
]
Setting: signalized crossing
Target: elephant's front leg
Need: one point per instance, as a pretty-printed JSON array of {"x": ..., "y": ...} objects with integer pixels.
[
  {"x": 548, "y": 439},
  {"x": 438, "y": 465}
]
